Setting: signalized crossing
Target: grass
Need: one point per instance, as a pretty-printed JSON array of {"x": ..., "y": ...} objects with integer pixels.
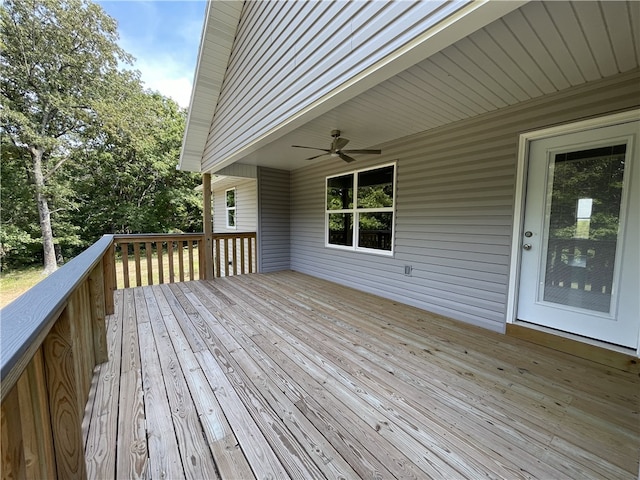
[{"x": 15, "y": 282}]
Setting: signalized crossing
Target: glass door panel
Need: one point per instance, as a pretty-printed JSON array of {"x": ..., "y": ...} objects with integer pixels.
[{"x": 582, "y": 221}]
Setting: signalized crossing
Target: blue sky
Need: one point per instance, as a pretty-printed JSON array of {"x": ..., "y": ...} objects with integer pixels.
[{"x": 164, "y": 36}]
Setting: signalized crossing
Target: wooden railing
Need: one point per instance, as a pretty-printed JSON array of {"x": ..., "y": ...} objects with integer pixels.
[
  {"x": 149, "y": 259},
  {"x": 234, "y": 253},
  {"x": 54, "y": 335},
  {"x": 52, "y": 338}
]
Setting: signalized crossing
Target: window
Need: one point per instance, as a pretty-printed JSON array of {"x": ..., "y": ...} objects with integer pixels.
[
  {"x": 230, "y": 199},
  {"x": 360, "y": 210}
]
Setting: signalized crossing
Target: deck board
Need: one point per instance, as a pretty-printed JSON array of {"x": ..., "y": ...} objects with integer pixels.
[{"x": 289, "y": 376}]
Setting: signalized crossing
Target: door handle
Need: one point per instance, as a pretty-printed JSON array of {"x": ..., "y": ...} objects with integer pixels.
[{"x": 527, "y": 246}]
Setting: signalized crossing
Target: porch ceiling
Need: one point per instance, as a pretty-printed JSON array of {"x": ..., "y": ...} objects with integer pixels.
[{"x": 539, "y": 49}]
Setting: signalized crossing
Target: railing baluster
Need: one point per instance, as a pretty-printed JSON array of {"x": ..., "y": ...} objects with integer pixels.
[
  {"x": 160, "y": 263},
  {"x": 181, "y": 259},
  {"x": 226, "y": 256},
  {"x": 170, "y": 254},
  {"x": 235, "y": 255},
  {"x": 124, "y": 250},
  {"x": 148, "y": 251},
  {"x": 201, "y": 259},
  {"x": 136, "y": 254},
  {"x": 217, "y": 262},
  {"x": 242, "y": 255},
  {"x": 191, "y": 265}
]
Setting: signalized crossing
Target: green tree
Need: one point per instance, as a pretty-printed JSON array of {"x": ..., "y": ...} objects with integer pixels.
[
  {"x": 59, "y": 62},
  {"x": 126, "y": 180}
]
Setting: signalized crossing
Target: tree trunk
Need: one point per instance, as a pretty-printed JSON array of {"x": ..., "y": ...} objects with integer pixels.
[{"x": 50, "y": 264}]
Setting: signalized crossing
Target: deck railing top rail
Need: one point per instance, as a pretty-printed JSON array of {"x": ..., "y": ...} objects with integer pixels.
[{"x": 27, "y": 320}]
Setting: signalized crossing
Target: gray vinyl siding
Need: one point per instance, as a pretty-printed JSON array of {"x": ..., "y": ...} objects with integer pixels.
[
  {"x": 246, "y": 205},
  {"x": 454, "y": 207},
  {"x": 289, "y": 54},
  {"x": 273, "y": 219}
]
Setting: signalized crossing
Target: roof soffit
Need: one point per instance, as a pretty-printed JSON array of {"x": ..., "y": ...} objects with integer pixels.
[{"x": 216, "y": 44}]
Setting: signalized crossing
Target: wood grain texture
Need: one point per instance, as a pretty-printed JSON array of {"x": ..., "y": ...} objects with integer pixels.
[
  {"x": 98, "y": 314},
  {"x": 35, "y": 421},
  {"x": 66, "y": 414},
  {"x": 100, "y": 450},
  {"x": 597, "y": 354},
  {"x": 12, "y": 446},
  {"x": 295, "y": 377}
]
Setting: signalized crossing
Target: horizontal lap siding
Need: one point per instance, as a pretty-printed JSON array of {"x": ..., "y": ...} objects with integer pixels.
[
  {"x": 273, "y": 220},
  {"x": 454, "y": 208},
  {"x": 289, "y": 54},
  {"x": 246, "y": 206}
]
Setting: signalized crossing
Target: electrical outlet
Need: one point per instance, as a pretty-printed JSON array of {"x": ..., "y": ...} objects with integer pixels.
[{"x": 407, "y": 270}]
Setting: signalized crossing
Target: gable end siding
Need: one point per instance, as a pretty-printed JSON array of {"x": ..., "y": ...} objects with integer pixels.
[
  {"x": 289, "y": 54},
  {"x": 455, "y": 197}
]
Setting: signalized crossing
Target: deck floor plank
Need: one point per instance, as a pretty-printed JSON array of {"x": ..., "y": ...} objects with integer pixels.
[
  {"x": 194, "y": 450},
  {"x": 408, "y": 411},
  {"x": 164, "y": 454},
  {"x": 100, "y": 451},
  {"x": 131, "y": 454},
  {"x": 383, "y": 418},
  {"x": 290, "y": 376},
  {"x": 296, "y": 460}
]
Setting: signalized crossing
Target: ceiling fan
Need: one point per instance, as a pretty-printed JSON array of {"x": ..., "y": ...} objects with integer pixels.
[{"x": 336, "y": 150}]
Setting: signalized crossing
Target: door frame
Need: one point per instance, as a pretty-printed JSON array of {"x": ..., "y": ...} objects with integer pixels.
[{"x": 518, "y": 215}]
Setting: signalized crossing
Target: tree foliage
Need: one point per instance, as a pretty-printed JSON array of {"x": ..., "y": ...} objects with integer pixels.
[
  {"x": 128, "y": 182},
  {"x": 85, "y": 150}
]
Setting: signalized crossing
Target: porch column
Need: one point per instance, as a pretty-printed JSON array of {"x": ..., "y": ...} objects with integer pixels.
[{"x": 207, "y": 225}]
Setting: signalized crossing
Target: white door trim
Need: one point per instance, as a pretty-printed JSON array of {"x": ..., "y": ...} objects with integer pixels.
[{"x": 519, "y": 198}]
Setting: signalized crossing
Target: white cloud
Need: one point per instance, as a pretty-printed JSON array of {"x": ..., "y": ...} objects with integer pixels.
[
  {"x": 165, "y": 74},
  {"x": 179, "y": 89}
]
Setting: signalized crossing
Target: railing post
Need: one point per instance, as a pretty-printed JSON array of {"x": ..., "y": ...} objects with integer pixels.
[
  {"x": 109, "y": 273},
  {"x": 207, "y": 226}
]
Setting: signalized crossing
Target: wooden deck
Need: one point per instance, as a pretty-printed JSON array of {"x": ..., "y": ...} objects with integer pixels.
[{"x": 287, "y": 376}]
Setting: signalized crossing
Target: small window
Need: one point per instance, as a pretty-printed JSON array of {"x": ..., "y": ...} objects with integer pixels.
[
  {"x": 230, "y": 199},
  {"x": 360, "y": 210}
]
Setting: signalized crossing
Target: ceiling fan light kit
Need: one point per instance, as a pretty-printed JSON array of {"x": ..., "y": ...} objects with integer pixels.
[{"x": 336, "y": 150}]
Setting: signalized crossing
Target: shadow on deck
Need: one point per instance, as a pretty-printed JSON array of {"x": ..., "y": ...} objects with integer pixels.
[{"x": 287, "y": 376}]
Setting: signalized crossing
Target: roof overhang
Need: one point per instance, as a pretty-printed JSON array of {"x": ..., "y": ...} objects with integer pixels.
[
  {"x": 216, "y": 43},
  {"x": 215, "y": 49}
]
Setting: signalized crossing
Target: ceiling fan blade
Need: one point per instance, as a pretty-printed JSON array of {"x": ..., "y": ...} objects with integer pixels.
[
  {"x": 311, "y": 148},
  {"x": 339, "y": 143},
  {"x": 346, "y": 158},
  {"x": 371, "y": 152},
  {"x": 317, "y": 156}
]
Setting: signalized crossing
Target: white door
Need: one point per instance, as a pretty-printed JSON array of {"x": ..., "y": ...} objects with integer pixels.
[{"x": 580, "y": 258}]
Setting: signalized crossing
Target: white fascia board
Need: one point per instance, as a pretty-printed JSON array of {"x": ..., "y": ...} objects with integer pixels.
[{"x": 470, "y": 18}]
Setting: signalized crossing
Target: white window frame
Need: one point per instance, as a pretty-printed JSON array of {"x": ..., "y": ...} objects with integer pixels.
[
  {"x": 355, "y": 211},
  {"x": 234, "y": 208}
]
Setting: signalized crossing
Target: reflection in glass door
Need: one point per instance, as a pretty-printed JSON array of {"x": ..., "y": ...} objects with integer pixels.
[{"x": 582, "y": 223}]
